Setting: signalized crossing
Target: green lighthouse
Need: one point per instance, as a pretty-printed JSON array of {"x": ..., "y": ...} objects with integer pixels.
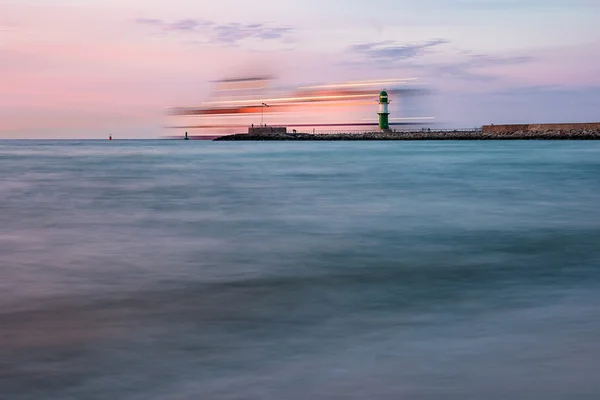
[{"x": 383, "y": 111}]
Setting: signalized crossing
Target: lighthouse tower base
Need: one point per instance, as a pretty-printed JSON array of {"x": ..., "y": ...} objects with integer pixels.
[{"x": 384, "y": 124}]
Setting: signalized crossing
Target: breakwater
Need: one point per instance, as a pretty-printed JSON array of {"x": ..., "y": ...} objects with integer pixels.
[
  {"x": 523, "y": 134},
  {"x": 542, "y": 128}
]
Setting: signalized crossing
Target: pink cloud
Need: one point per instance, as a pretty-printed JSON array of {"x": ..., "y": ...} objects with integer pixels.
[{"x": 61, "y": 78}]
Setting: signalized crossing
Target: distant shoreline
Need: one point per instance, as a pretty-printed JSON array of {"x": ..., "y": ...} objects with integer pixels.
[{"x": 421, "y": 135}]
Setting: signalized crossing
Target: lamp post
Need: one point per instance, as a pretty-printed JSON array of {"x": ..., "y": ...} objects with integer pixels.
[{"x": 262, "y": 112}]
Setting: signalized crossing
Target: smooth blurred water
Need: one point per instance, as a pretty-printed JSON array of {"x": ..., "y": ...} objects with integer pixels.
[{"x": 273, "y": 270}]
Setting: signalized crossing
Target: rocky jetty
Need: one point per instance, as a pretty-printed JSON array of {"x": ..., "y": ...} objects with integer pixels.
[{"x": 423, "y": 135}]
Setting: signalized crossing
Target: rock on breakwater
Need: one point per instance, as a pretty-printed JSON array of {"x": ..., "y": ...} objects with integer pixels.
[{"x": 420, "y": 135}]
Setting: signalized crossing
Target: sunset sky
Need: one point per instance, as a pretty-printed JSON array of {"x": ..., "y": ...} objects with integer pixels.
[{"x": 89, "y": 68}]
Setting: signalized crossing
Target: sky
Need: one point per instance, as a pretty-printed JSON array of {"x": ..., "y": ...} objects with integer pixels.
[{"x": 90, "y": 68}]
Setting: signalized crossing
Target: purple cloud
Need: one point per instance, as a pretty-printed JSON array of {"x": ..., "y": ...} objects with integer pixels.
[
  {"x": 187, "y": 25},
  {"x": 390, "y": 55},
  {"x": 149, "y": 21},
  {"x": 391, "y": 51},
  {"x": 467, "y": 69},
  {"x": 224, "y": 34}
]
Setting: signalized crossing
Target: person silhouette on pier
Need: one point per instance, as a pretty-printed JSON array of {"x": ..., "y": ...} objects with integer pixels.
[{"x": 186, "y": 137}]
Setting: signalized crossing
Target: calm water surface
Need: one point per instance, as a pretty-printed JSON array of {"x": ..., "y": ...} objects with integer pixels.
[{"x": 367, "y": 270}]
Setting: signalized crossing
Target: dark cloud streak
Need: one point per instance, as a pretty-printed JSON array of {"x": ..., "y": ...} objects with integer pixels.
[
  {"x": 223, "y": 34},
  {"x": 391, "y": 51},
  {"x": 467, "y": 69}
]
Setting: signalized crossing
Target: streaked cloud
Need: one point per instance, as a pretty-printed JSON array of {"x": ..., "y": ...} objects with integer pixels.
[
  {"x": 223, "y": 34},
  {"x": 452, "y": 64},
  {"x": 474, "y": 67},
  {"x": 391, "y": 51}
]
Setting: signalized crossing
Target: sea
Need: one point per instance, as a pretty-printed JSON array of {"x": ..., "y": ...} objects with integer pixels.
[{"x": 180, "y": 270}]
